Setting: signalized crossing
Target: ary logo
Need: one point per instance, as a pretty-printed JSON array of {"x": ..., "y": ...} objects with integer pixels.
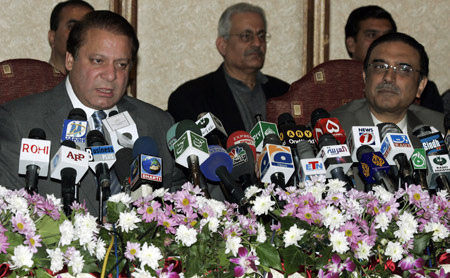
[{"x": 439, "y": 160}]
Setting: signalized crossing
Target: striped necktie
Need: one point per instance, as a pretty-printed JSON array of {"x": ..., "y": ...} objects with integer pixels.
[{"x": 97, "y": 117}]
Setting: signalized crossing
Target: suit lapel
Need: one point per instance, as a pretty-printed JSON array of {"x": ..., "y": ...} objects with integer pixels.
[{"x": 58, "y": 108}]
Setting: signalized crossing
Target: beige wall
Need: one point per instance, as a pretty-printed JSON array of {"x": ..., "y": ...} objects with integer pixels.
[
  {"x": 427, "y": 21},
  {"x": 178, "y": 37}
]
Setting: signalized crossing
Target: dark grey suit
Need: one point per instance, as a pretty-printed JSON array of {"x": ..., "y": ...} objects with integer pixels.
[{"x": 47, "y": 110}]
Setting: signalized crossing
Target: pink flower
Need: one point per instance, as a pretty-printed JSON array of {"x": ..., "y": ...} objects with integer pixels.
[
  {"x": 244, "y": 261},
  {"x": 150, "y": 212},
  {"x": 4, "y": 244},
  {"x": 410, "y": 263},
  {"x": 417, "y": 196},
  {"x": 33, "y": 242},
  {"x": 167, "y": 272},
  {"x": 21, "y": 224},
  {"x": 132, "y": 250},
  {"x": 441, "y": 274}
]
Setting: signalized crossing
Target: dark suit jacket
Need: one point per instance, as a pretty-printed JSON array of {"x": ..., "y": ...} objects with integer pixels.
[
  {"x": 47, "y": 110},
  {"x": 210, "y": 93}
]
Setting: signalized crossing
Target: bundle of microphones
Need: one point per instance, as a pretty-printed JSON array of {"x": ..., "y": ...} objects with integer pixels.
[{"x": 286, "y": 154}]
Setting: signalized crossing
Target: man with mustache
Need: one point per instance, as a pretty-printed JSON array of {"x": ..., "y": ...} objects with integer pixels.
[
  {"x": 395, "y": 73},
  {"x": 237, "y": 91}
]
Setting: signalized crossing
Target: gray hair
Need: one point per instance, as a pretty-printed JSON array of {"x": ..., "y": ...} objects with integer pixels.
[{"x": 225, "y": 18}]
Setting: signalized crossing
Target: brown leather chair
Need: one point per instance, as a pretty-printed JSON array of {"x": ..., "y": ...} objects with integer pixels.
[
  {"x": 22, "y": 77},
  {"x": 328, "y": 85}
]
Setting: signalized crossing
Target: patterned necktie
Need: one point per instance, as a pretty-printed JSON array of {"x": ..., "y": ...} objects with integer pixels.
[{"x": 97, "y": 117}]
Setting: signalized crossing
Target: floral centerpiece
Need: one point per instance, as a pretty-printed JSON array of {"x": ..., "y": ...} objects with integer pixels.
[{"x": 320, "y": 230}]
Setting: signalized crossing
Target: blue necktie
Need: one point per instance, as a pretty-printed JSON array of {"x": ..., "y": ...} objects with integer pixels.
[{"x": 97, "y": 117}]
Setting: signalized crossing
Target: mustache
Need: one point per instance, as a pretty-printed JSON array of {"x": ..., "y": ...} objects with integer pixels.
[
  {"x": 387, "y": 86},
  {"x": 253, "y": 51}
]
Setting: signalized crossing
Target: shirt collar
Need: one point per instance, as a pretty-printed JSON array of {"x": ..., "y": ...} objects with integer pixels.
[
  {"x": 402, "y": 124},
  {"x": 260, "y": 78}
]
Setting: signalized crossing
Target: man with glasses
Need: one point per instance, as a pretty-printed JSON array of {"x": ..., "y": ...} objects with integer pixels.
[
  {"x": 237, "y": 91},
  {"x": 395, "y": 73}
]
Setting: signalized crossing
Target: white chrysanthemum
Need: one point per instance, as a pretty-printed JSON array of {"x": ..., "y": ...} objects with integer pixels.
[
  {"x": 354, "y": 206},
  {"x": 55, "y": 201},
  {"x": 262, "y": 204},
  {"x": 76, "y": 262},
  {"x": 262, "y": 237},
  {"x": 293, "y": 235},
  {"x": 186, "y": 235},
  {"x": 127, "y": 221},
  {"x": 100, "y": 249},
  {"x": 56, "y": 259},
  {"x": 160, "y": 192},
  {"x": 317, "y": 191},
  {"x": 4, "y": 191},
  {"x": 121, "y": 197},
  {"x": 443, "y": 194},
  {"x": 440, "y": 232},
  {"x": 404, "y": 233},
  {"x": 17, "y": 204},
  {"x": 335, "y": 185},
  {"x": 363, "y": 252},
  {"x": 332, "y": 218},
  {"x": 394, "y": 250},
  {"x": 22, "y": 258},
  {"x": 382, "y": 221},
  {"x": 408, "y": 219},
  {"x": 382, "y": 194},
  {"x": 213, "y": 224},
  {"x": 85, "y": 227},
  {"x": 232, "y": 245},
  {"x": 149, "y": 255},
  {"x": 67, "y": 233},
  {"x": 251, "y": 190},
  {"x": 339, "y": 242},
  {"x": 217, "y": 207},
  {"x": 141, "y": 273}
]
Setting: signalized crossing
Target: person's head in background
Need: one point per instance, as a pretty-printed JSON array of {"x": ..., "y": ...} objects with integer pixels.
[
  {"x": 364, "y": 25},
  {"x": 64, "y": 16}
]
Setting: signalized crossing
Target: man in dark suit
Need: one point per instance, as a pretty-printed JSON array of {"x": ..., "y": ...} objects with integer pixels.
[
  {"x": 101, "y": 50},
  {"x": 366, "y": 24},
  {"x": 237, "y": 91}
]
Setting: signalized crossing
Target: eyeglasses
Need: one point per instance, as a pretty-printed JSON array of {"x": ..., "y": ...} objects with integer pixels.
[
  {"x": 402, "y": 69},
  {"x": 248, "y": 36}
]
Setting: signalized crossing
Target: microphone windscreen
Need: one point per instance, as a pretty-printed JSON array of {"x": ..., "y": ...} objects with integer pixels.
[
  {"x": 243, "y": 160},
  {"x": 318, "y": 114},
  {"x": 145, "y": 145},
  {"x": 272, "y": 138},
  {"x": 113, "y": 113},
  {"x": 77, "y": 114},
  {"x": 69, "y": 143},
  {"x": 327, "y": 140},
  {"x": 285, "y": 119},
  {"x": 304, "y": 150},
  {"x": 124, "y": 157},
  {"x": 186, "y": 125},
  {"x": 421, "y": 130},
  {"x": 386, "y": 128},
  {"x": 362, "y": 150},
  {"x": 95, "y": 138},
  {"x": 37, "y": 133}
]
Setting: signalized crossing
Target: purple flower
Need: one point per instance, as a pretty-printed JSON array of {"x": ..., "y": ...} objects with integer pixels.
[
  {"x": 33, "y": 242},
  {"x": 21, "y": 224},
  {"x": 335, "y": 268},
  {"x": 167, "y": 272},
  {"x": 150, "y": 212},
  {"x": 4, "y": 244},
  {"x": 441, "y": 274},
  {"x": 244, "y": 261},
  {"x": 132, "y": 250},
  {"x": 410, "y": 262}
]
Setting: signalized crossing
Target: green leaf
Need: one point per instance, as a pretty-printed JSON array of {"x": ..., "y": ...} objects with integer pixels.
[
  {"x": 40, "y": 273},
  {"x": 293, "y": 258},
  {"x": 326, "y": 254},
  {"x": 49, "y": 230},
  {"x": 193, "y": 262},
  {"x": 421, "y": 242},
  {"x": 268, "y": 256},
  {"x": 114, "y": 210}
]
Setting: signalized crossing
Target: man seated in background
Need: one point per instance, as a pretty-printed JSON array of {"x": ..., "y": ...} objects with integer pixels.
[
  {"x": 395, "y": 73},
  {"x": 237, "y": 91},
  {"x": 64, "y": 16},
  {"x": 101, "y": 50},
  {"x": 366, "y": 24}
]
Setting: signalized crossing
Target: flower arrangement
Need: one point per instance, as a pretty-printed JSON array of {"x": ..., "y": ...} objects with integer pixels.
[{"x": 320, "y": 230}]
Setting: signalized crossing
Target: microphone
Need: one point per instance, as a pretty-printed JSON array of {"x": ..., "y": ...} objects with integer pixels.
[
  {"x": 120, "y": 130},
  {"x": 363, "y": 135},
  {"x": 212, "y": 128},
  {"x": 432, "y": 142},
  {"x": 336, "y": 158},
  {"x": 171, "y": 137},
  {"x": 275, "y": 162},
  {"x": 438, "y": 172},
  {"x": 34, "y": 158},
  {"x": 397, "y": 149},
  {"x": 146, "y": 167},
  {"x": 191, "y": 150},
  {"x": 217, "y": 168},
  {"x": 447, "y": 128},
  {"x": 124, "y": 158},
  {"x": 323, "y": 123},
  {"x": 243, "y": 164},
  {"x": 69, "y": 165},
  {"x": 374, "y": 168},
  {"x": 239, "y": 137},
  {"x": 75, "y": 128},
  {"x": 261, "y": 130},
  {"x": 419, "y": 165},
  {"x": 310, "y": 166}
]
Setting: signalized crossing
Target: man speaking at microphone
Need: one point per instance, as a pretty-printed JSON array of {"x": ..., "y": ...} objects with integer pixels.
[
  {"x": 237, "y": 91},
  {"x": 395, "y": 73},
  {"x": 101, "y": 50}
]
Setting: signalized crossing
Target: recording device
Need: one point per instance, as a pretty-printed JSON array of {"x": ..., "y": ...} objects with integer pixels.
[
  {"x": 124, "y": 158},
  {"x": 243, "y": 164},
  {"x": 363, "y": 135},
  {"x": 419, "y": 165},
  {"x": 34, "y": 158},
  {"x": 397, "y": 149},
  {"x": 75, "y": 128},
  {"x": 241, "y": 136},
  {"x": 212, "y": 129},
  {"x": 171, "y": 137},
  {"x": 261, "y": 130},
  {"x": 336, "y": 158},
  {"x": 447, "y": 128},
  {"x": 323, "y": 123},
  {"x": 374, "y": 168},
  {"x": 438, "y": 172},
  {"x": 69, "y": 165},
  {"x": 120, "y": 130},
  {"x": 275, "y": 162},
  {"x": 310, "y": 166}
]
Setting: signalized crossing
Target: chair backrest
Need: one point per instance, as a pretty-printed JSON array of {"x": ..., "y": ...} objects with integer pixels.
[
  {"x": 22, "y": 77},
  {"x": 328, "y": 85}
]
